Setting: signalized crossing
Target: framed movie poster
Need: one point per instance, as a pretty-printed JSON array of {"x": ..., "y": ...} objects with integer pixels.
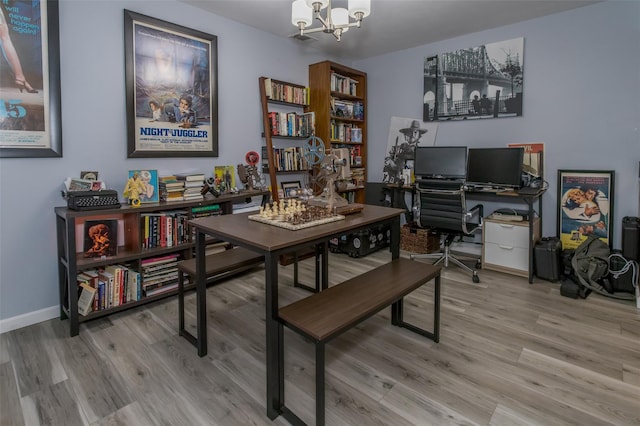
[
  {"x": 172, "y": 89},
  {"x": 585, "y": 206},
  {"x": 30, "y": 119}
]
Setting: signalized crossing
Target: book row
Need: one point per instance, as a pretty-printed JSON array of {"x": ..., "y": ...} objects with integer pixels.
[
  {"x": 342, "y": 84},
  {"x": 345, "y": 132},
  {"x": 282, "y": 92},
  {"x": 353, "y": 110},
  {"x": 291, "y": 124},
  {"x": 107, "y": 288},
  {"x": 288, "y": 159}
]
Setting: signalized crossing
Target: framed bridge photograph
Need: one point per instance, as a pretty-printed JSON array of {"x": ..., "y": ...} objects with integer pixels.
[{"x": 478, "y": 82}]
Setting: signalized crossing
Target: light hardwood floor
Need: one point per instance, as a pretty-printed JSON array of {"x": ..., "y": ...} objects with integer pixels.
[{"x": 510, "y": 354}]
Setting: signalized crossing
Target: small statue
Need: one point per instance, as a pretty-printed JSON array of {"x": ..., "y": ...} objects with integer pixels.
[
  {"x": 134, "y": 187},
  {"x": 249, "y": 176}
]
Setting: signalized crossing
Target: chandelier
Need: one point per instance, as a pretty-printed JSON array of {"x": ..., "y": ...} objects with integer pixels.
[{"x": 336, "y": 21}]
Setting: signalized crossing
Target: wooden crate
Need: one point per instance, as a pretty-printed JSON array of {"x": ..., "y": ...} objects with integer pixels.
[{"x": 418, "y": 240}]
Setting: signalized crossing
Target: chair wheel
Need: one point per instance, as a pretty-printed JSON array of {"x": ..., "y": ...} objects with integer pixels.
[
  {"x": 478, "y": 264},
  {"x": 476, "y": 279}
]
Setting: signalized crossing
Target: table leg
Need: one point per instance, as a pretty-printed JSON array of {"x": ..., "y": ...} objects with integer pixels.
[
  {"x": 201, "y": 295},
  {"x": 275, "y": 355},
  {"x": 395, "y": 238},
  {"x": 325, "y": 265}
]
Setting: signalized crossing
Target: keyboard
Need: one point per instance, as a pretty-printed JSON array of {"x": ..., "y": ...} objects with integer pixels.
[{"x": 93, "y": 200}]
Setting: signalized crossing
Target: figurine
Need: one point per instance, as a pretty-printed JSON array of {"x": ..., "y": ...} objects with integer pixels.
[{"x": 135, "y": 186}]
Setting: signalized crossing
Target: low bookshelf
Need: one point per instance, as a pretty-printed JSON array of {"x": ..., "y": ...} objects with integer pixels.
[{"x": 144, "y": 245}]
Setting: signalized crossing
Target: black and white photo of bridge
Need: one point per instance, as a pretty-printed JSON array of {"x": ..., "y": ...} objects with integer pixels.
[{"x": 475, "y": 83}]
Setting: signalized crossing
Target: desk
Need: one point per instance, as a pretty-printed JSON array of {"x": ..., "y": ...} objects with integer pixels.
[
  {"x": 513, "y": 197},
  {"x": 272, "y": 241},
  {"x": 508, "y": 197}
]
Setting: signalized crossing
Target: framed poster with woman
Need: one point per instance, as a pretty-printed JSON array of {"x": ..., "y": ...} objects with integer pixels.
[
  {"x": 30, "y": 117},
  {"x": 585, "y": 206}
]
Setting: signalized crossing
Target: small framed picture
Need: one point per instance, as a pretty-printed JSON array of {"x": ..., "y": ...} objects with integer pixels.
[
  {"x": 143, "y": 185},
  {"x": 585, "y": 206},
  {"x": 89, "y": 175},
  {"x": 100, "y": 238},
  {"x": 291, "y": 189}
]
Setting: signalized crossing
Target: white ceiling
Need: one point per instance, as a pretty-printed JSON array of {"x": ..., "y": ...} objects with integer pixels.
[{"x": 393, "y": 24}]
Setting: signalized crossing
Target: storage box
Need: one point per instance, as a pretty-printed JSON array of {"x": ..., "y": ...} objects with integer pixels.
[
  {"x": 547, "y": 258},
  {"x": 419, "y": 240},
  {"x": 362, "y": 243}
]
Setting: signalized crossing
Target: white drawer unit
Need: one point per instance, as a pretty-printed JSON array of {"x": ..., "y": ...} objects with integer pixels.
[{"x": 506, "y": 245}]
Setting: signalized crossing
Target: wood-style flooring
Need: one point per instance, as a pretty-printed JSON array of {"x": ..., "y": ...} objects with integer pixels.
[{"x": 510, "y": 353}]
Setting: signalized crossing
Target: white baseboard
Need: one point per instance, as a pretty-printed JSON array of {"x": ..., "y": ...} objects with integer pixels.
[{"x": 30, "y": 318}]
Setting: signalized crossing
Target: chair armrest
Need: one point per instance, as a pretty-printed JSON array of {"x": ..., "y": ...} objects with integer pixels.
[{"x": 480, "y": 208}]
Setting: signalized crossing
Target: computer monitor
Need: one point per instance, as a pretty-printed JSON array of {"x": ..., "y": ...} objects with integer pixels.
[
  {"x": 440, "y": 162},
  {"x": 498, "y": 167}
]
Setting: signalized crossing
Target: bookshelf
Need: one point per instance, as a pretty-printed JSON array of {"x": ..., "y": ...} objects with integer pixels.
[
  {"x": 135, "y": 250},
  {"x": 285, "y": 121},
  {"x": 338, "y": 96}
]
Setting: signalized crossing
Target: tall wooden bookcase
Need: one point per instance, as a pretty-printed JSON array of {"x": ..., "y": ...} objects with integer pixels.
[
  {"x": 338, "y": 96},
  {"x": 284, "y": 119}
]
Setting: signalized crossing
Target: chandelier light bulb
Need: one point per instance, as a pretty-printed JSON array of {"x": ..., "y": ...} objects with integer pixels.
[
  {"x": 340, "y": 17},
  {"x": 301, "y": 14},
  {"x": 323, "y": 3},
  {"x": 359, "y": 6}
]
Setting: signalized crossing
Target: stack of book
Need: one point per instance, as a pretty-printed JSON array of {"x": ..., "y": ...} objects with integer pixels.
[
  {"x": 159, "y": 274},
  {"x": 171, "y": 189},
  {"x": 192, "y": 185}
]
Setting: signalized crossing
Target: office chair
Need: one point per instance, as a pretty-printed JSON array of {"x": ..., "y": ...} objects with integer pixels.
[{"x": 442, "y": 207}]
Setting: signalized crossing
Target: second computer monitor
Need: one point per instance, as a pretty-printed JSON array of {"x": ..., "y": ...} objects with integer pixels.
[
  {"x": 440, "y": 162},
  {"x": 498, "y": 167}
]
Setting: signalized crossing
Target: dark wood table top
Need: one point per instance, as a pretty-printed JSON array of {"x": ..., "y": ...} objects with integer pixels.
[{"x": 239, "y": 229}]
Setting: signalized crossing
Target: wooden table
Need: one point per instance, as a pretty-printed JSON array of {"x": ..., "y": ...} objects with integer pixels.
[{"x": 272, "y": 241}]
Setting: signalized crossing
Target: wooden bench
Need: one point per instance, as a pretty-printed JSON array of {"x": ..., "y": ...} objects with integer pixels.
[
  {"x": 325, "y": 315},
  {"x": 217, "y": 266}
]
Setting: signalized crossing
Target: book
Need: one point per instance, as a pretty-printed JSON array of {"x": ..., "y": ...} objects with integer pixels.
[
  {"x": 101, "y": 238},
  {"x": 85, "y": 301},
  {"x": 189, "y": 177}
]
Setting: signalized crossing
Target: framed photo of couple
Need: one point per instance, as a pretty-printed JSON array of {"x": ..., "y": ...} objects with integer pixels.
[{"x": 585, "y": 206}]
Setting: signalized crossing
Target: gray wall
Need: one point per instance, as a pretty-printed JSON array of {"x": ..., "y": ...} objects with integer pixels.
[
  {"x": 94, "y": 131},
  {"x": 581, "y": 99}
]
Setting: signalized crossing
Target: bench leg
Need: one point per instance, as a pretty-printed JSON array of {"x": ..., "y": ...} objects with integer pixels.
[
  {"x": 320, "y": 384},
  {"x": 397, "y": 315}
]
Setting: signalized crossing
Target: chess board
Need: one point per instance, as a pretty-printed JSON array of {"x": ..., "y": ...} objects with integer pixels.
[{"x": 291, "y": 226}]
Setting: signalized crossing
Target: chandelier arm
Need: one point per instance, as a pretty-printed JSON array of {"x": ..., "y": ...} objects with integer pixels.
[{"x": 313, "y": 30}]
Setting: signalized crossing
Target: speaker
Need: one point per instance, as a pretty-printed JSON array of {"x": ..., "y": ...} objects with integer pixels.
[{"x": 631, "y": 238}]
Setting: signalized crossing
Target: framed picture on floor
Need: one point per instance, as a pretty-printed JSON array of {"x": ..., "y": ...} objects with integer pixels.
[
  {"x": 171, "y": 89},
  {"x": 30, "y": 116},
  {"x": 585, "y": 206}
]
